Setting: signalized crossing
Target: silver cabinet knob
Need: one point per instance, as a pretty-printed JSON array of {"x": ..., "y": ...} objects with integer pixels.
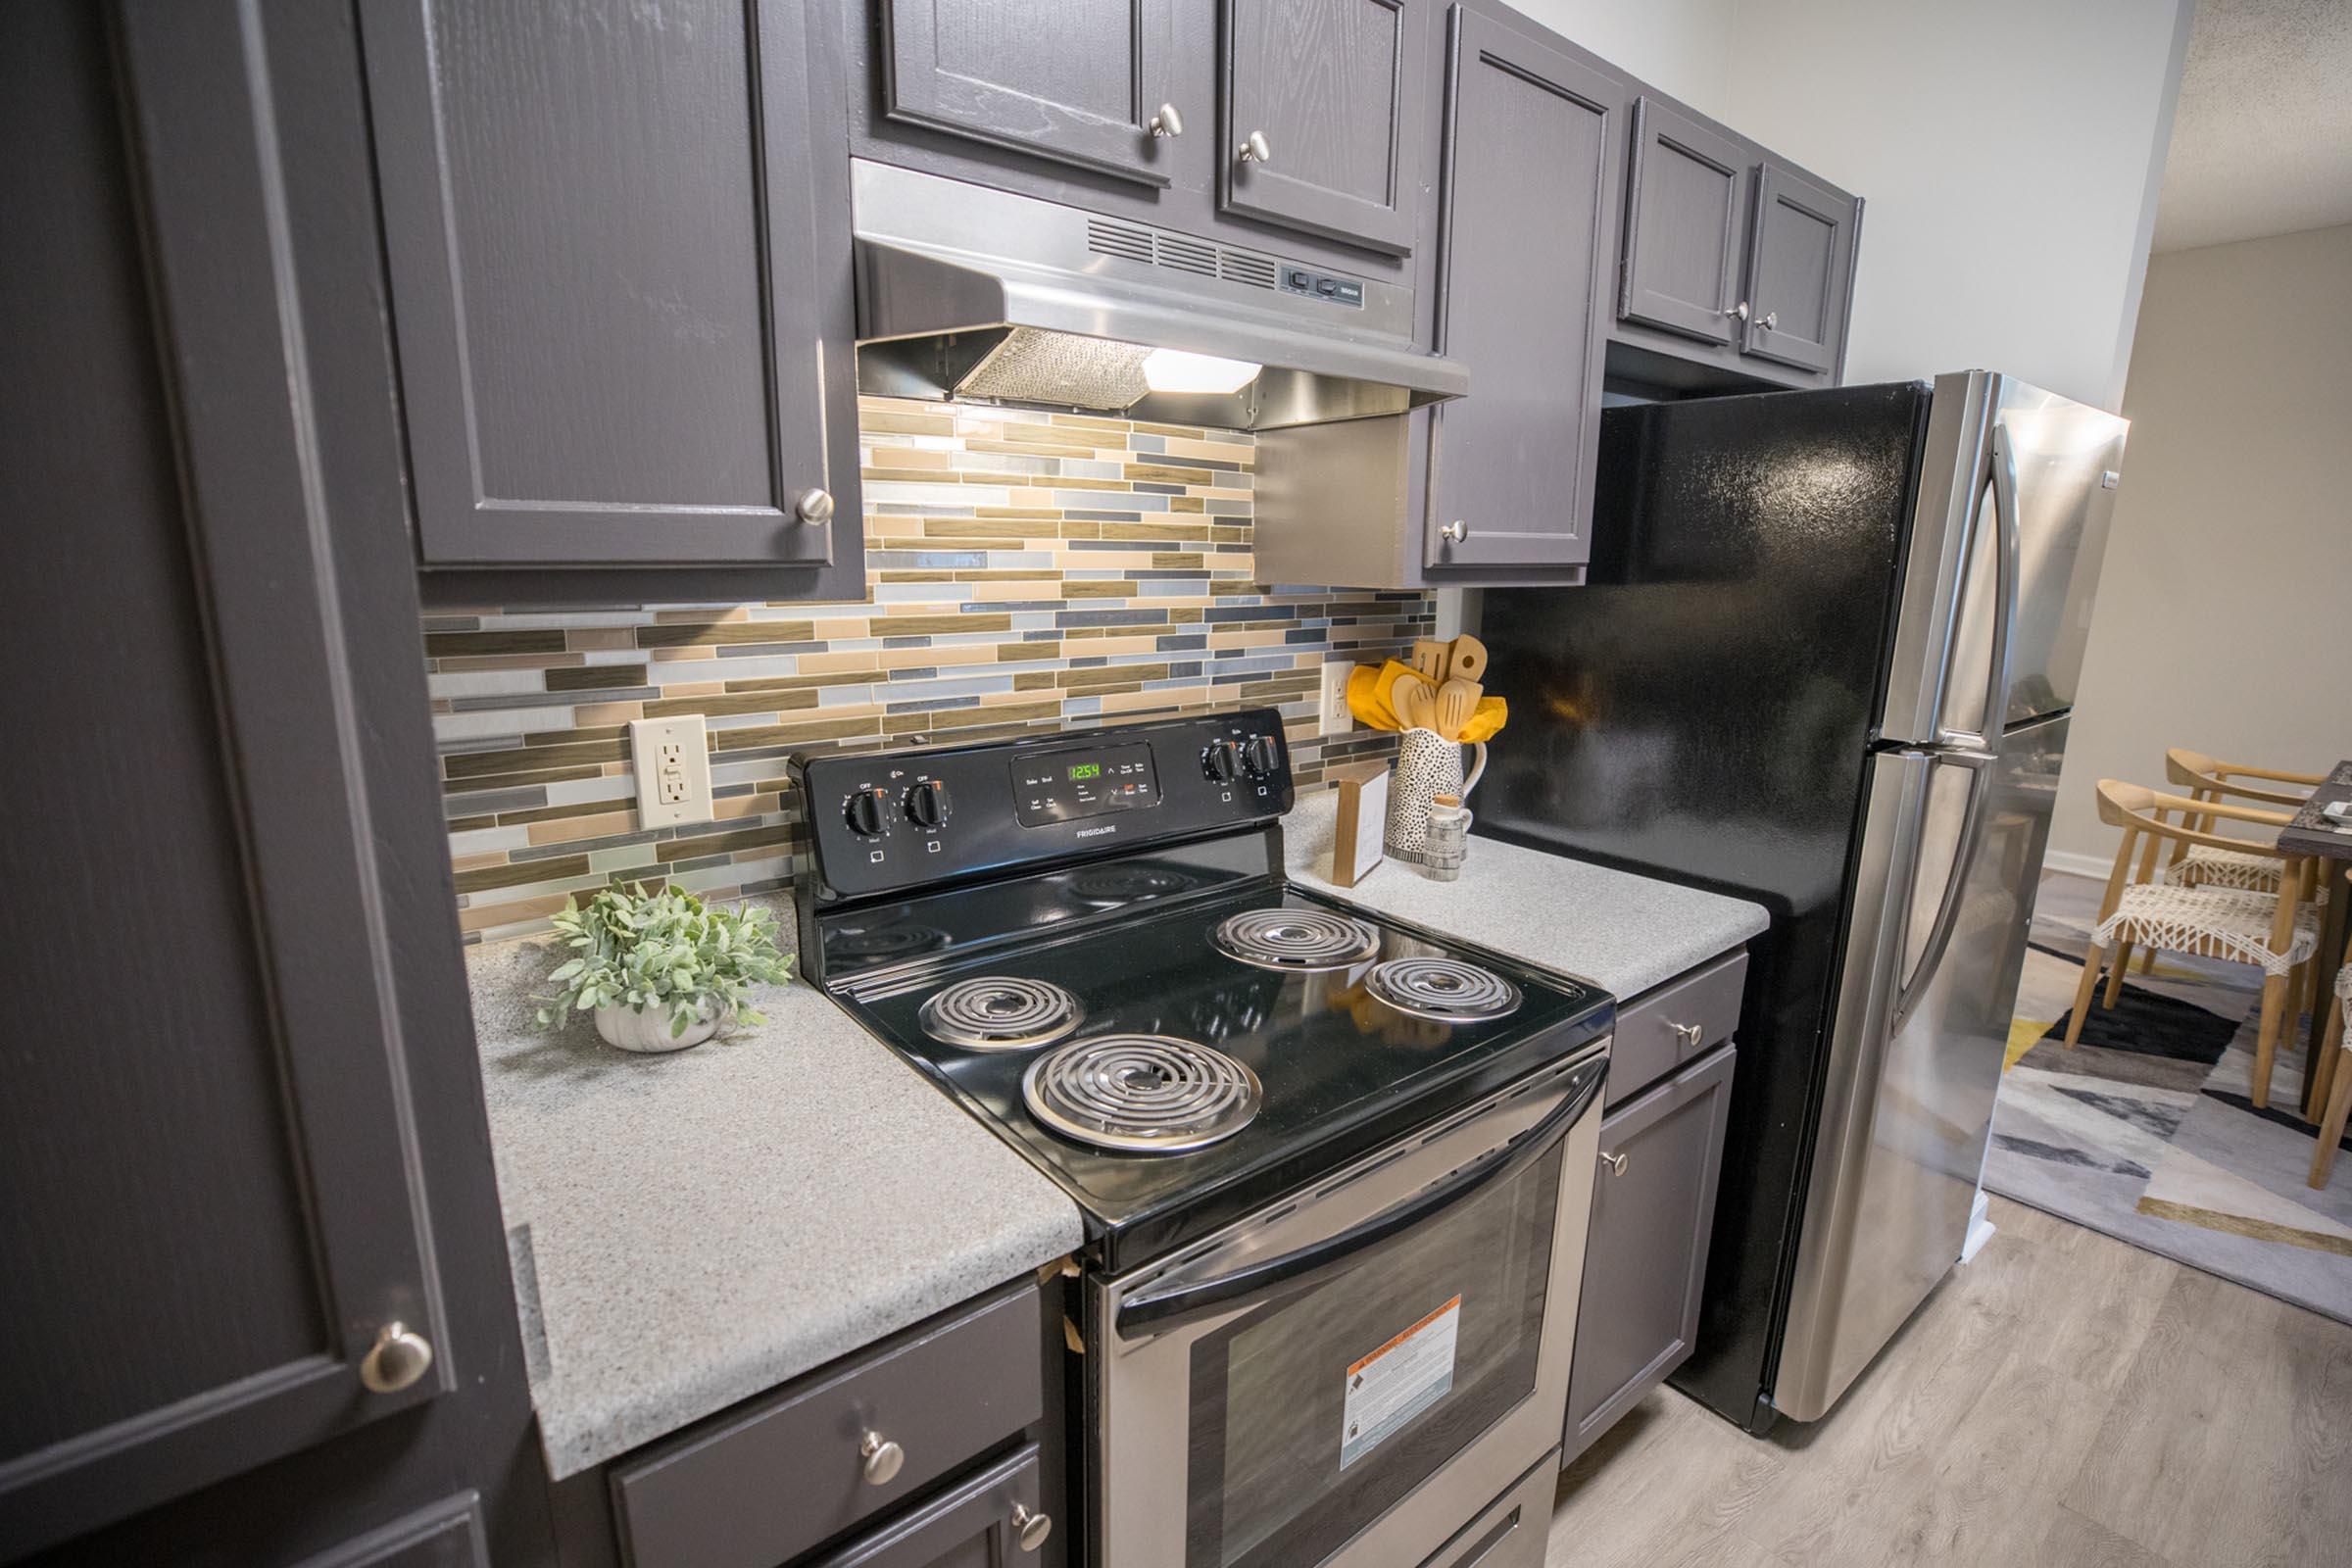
[
  {"x": 1690, "y": 1034},
  {"x": 814, "y": 507},
  {"x": 1457, "y": 530},
  {"x": 1255, "y": 149},
  {"x": 1615, "y": 1162},
  {"x": 1740, "y": 309},
  {"x": 399, "y": 1356},
  {"x": 1167, "y": 122},
  {"x": 1772, "y": 319},
  {"x": 1030, "y": 1529},
  {"x": 882, "y": 1459}
]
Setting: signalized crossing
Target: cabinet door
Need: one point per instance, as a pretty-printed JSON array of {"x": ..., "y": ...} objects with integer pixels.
[
  {"x": 1653, "y": 1210},
  {"x": 1531, "y": 162},
  {"x": 242, "y": 1135},
  {"x": 619, "y": 251},
  {"x": 1330, "y": 90},
  {"x": 1684, "y": 220},
  {"x": 982, "y": 1523},
  {"x": 1799, "y": 271},
  {"x": 1078, "y": 81}
]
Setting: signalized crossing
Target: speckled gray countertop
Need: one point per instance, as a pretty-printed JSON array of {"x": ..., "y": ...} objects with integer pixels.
[
  {"x": 1625, "y": 933},
  {"x": 707, "y": 1224}
]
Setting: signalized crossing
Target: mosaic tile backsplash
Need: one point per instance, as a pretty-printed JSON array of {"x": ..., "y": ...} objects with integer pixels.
[{"x": 1028, "y": 572}]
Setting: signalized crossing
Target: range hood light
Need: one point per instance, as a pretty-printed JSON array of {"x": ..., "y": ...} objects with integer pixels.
[{"x": 1176, "y": 370}]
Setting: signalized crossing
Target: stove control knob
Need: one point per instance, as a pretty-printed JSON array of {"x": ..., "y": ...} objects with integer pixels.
[
  {"x": 1263, "y": 756},
  {"x": 927, "y": 804},
  {"x": 863, "y": 812},
  {"x": 1222, "y": 762}
]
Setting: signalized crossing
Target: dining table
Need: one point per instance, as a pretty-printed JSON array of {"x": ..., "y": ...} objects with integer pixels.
[{"x": 2313, "y": 836}]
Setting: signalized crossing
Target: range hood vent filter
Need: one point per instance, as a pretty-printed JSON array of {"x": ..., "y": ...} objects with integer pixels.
[{"x": 1081, "y": 373}]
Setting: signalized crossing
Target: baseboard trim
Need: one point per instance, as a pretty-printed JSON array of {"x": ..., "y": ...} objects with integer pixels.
[{"x": 2073, "y": 865}]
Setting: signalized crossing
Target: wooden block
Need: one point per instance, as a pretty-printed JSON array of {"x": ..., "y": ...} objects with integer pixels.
[{"x": 1363, "y": 808}]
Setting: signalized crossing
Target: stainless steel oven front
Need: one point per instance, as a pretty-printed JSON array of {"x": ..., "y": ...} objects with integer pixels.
[{"x": 1350, "y": 1376}]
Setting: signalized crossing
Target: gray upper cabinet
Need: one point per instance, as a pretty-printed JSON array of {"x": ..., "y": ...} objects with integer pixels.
[
  {"x": 1530, "y": 160},
  {"x": 1800, "y": 270},
  {"x": 1083, "y": 82},
  {"x": 1682, "y": 226},
  {"x": 1322, "y": 104},
  {"x": 618, "y": 239}
]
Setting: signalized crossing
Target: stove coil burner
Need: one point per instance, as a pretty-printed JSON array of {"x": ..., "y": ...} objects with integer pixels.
[
  {"x": 1001, "y": 1013},
  {"x": 1295, "y": 939},
  {"x": 1150, "y": 1094},
  {"x": 895, "y": 941},
  {"x": 1444, "y": 989},
  {"x": 1125, "y": 884}
]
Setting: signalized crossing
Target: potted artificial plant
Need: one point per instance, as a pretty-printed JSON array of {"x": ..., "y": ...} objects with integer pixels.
[{"x": 663, "y": 970}]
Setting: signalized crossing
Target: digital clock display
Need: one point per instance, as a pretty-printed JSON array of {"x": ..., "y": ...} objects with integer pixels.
[{"x": 1069, "y": 782}]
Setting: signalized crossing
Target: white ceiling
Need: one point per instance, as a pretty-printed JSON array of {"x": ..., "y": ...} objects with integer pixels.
[{"x": 2261, "y": 140}]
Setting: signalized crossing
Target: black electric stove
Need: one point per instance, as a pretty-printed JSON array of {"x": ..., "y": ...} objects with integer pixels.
[{"x": 1088, "y": 942}]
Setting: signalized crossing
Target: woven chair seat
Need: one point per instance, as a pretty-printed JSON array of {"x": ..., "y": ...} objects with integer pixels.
[
  {"x": 2208, "y": 867},
  {"x": 2209, "y": 923}
]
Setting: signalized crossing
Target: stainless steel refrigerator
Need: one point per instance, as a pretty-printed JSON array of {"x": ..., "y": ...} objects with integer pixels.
[{"x": 1825, "y": 659}]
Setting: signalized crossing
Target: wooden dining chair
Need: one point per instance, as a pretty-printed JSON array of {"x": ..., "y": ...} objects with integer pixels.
[
  {"x": 2274, "y": 932},
  {"x": 2334, "y": 1086},
  {"x": 2206, "y": 778}
]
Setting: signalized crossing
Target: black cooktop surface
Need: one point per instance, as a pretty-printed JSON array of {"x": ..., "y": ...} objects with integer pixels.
[{"x": 1340, "y": 1065}]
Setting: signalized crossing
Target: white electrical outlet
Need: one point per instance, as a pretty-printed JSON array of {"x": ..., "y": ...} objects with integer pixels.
[
  {"x": 1335, "y": 716},
  {"x": 673, "y": 770}
]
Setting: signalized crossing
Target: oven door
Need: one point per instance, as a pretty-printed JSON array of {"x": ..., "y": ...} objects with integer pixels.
[{"x": 1348, "y": 1377}]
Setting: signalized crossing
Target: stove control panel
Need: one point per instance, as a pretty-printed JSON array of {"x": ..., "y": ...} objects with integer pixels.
[{"x": 894, "y": 821}]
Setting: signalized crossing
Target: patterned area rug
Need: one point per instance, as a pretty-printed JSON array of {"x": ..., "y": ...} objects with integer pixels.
[{"x": 2147, "y": 1130}]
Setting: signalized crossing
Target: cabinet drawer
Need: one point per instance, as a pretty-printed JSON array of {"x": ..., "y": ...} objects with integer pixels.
[
  {"x": 1675, "y": 1025},
  {"x": 1510, "y": 1533},
  {"x": 750, "y": 1489}
]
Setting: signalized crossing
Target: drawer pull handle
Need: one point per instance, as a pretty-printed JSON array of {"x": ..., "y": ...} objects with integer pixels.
[
  {"x": 1167, "y": 122},
  {"x": 399, "y": 1356},
  {"x": 1615, "y": 1162},
  {"x": 1690, "y": 1034},
  {"x": 1253, "y": 149},
  {"x": 882, "y": 1459},
  {"x": 1030, "y": 1529}
]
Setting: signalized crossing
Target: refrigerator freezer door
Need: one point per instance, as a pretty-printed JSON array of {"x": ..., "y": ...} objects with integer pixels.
[
  {"x": 2014, "y": 501},
  {"x": 1950, "y": 858}
]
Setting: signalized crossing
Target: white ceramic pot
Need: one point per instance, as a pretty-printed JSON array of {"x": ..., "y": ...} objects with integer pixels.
[
  {"x": 1427, "y": 766},
  {"x": 648, "y": 1030}
]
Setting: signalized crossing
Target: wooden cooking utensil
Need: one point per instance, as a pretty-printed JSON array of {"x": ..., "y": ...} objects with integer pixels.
[
  {"x": 1457, "y": 701},
  {"x": 1416, "y": 703},
  {"x": 1429, "y": 657},
  {"x": 1468, "y": 659}
]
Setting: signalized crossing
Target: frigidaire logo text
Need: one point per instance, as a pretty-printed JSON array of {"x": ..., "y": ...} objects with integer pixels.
[{"x": 1096, "y": 832}]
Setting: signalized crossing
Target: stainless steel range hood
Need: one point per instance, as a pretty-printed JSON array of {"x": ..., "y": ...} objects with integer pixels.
[{"x": 971, "y": 293}]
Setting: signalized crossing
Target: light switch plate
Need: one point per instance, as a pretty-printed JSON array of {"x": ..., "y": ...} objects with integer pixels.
[
  {"x": 1335, "y": 717},
  {"x": 672, "y": 757}
]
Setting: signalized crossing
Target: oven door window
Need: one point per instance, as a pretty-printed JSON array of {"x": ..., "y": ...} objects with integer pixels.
[{"x": 1314, "y": 1413}]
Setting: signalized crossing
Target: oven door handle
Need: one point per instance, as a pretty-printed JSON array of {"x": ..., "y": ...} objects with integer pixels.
[{"x": 1295, "y": 1271}]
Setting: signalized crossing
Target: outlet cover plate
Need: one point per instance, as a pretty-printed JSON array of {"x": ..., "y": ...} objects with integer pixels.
[
  {"x": 1335, "y": 717},
  {"x": 672, "y": 759}
]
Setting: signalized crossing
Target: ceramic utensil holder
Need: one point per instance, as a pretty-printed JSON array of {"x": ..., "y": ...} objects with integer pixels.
[{"x": 1427, "y": 766}]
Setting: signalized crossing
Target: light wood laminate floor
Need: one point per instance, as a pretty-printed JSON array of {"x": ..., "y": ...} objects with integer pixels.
[{"x": 2065, "y": 1401}]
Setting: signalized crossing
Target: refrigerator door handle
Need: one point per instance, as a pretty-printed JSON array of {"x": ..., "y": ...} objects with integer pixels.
[
  {"x": 1910, "y": 988},
  {"x": 2005, "y": 575}
]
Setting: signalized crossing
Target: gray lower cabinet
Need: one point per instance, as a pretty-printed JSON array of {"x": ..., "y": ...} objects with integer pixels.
[
  {"x": 1322, "y": 101},
  {"x": 1530, "y": 160},
  {"x": 1083, "y": 84},
  {"x": 618, "y": 248},
  {"x": 1800, "y": 270},
  {"x": 1645, "y": 1257},
  {"x": 978, "y": 1523}
]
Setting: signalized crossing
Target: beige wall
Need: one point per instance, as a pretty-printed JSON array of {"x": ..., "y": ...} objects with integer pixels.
[{"x": 2225, "y": 612}]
